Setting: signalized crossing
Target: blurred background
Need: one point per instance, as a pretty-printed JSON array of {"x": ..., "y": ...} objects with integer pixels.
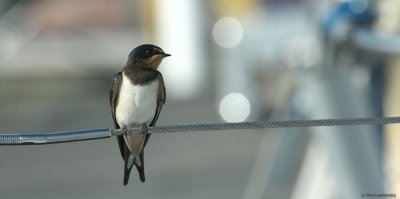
[{"x": 232, "y": 61}]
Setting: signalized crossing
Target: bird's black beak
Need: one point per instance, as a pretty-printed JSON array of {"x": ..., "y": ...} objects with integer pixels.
[{"x": 166, "y": 55}]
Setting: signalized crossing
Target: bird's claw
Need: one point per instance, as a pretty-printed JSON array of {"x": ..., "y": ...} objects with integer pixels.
[
  {"x": 125, "y": 130},
  {"x": 145, "y": 129}
]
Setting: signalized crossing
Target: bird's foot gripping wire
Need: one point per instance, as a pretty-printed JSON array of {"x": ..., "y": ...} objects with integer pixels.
[
  {"x": 125, "y": 130},
  {"x": 145, "y": 129}
]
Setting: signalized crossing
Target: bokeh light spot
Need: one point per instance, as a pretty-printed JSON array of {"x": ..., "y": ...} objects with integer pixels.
[
  {"x": 227, "y": 32},
  {"x": 234, "y": 107},
  {"x": 358, "y": 6}
]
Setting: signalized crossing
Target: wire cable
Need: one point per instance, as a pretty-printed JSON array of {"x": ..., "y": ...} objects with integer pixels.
[
  {"x": 82, "y": 135},
  {"x": 261, "y": 124}
]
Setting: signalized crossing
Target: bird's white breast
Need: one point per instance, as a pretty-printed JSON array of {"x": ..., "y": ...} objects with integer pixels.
[{"x": 137, "y": 104}]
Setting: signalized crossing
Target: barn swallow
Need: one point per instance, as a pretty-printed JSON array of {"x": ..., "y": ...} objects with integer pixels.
[{"x": 136, "y": 98}]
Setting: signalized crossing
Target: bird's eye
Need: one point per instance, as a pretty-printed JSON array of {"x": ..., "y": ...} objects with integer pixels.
[{"x": 148, "y": 52}]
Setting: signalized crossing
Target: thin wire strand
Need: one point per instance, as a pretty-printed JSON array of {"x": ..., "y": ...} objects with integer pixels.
[
  {"x": 260, "y": 124},
  {"x": 82, "y": 135}
]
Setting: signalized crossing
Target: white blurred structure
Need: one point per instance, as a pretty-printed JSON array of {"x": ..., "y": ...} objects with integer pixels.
[{"x": 185, "y": 72}]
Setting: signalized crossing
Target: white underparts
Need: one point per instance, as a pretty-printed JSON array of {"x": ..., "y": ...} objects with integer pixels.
[{"x": 136, "y": 106}]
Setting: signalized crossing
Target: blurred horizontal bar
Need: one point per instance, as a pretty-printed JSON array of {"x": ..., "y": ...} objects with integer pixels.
[
  {"x": 51, "y": 138},
  {"x": 377, "y": 42},
  {"x": 73, "y": 136}
]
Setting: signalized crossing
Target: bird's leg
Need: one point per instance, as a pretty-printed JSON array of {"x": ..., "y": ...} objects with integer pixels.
[
  {"x": 125, "y": 130},
  {"x": 145, "y": 129}
]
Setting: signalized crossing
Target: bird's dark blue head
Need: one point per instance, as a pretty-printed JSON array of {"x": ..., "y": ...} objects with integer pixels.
[{"x": 149, "y": 54}]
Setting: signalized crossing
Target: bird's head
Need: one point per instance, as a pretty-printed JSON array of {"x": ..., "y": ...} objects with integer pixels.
[{"x": 149, "y": 54}]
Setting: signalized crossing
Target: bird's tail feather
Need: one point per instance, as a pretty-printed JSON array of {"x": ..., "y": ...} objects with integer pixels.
[
  {"x": 139, "y": 163},
  {"x": 128, "y": 164},
  {"x": 127, "y": 172}
]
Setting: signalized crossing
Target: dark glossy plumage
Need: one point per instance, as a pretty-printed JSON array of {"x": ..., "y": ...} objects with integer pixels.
[{"x": 139, "y": 73}]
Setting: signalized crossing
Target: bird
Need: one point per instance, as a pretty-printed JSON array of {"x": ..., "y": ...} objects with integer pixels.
[{"x": 136, "y": 99}]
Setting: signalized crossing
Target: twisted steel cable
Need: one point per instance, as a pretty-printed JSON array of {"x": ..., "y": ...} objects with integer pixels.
[
  {"x": 72, "y": 136},
  {"x": 261, "y": 124}
]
